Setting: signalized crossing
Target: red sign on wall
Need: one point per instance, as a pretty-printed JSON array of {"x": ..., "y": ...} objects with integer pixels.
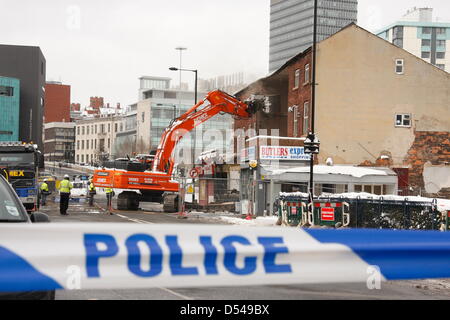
[{"x": 327, "y": 214}]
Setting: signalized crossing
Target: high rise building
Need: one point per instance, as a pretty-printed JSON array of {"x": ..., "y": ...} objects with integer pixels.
[
  {"x": 9, "y": 109},
  {"x": 57, "y": 102},
  {"x": 28, "y": 65},
  {"x": 417, "y": 33},
  {"x": 291, "y": 25}
]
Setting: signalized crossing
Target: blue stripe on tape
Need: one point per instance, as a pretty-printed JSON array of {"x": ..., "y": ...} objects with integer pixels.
[
  {"x": 16, "y": 275},
  {"x": 400, "y": 255}
]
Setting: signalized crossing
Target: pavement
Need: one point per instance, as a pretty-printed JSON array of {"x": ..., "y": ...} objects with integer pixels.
[{"x": 152, "y": 213}]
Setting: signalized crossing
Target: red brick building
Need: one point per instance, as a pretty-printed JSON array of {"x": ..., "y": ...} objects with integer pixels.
[
  {"x": 56, "y": 102},
  {"x": 96, "y": 103},
  {"x": 75, "y": 107},
  {"x": 299, "y": 94}
]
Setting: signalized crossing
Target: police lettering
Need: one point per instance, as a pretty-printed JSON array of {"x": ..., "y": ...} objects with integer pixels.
[{"x": 101, "y": 247}]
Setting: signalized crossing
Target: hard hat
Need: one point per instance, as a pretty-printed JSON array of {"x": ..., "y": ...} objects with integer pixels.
[
  {"x": 45, "y": 180},
  {"x": 66, "y": 176}
]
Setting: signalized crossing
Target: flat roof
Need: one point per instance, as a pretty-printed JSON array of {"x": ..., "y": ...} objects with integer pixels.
[{"x": 415, "y": 24}]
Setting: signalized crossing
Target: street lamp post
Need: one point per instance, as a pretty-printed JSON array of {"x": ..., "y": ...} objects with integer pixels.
[
  {"x": 313, "y": 102},
  {"x": 195, "y": 99},
  {"x": 181, "y": 49},
  {"x": 196, "y": 79}
]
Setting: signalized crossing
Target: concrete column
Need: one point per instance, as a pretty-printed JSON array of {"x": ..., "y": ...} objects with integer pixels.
[{"x": 271, "y": 190}]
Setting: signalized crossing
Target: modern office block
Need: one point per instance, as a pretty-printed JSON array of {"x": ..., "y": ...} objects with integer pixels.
[
  {"x": 28, "y": 65},
  {"x": 291, "y": 25},
  {"x": 9, "y": 109}
]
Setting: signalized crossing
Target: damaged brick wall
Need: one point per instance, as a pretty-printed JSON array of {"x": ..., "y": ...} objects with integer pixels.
[{"x": 428, "y": 146}]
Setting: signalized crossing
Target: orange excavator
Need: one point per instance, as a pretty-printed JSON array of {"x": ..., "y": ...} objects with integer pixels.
[{"x": 158, "y": 185}]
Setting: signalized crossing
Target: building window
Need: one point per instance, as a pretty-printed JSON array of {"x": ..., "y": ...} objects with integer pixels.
[
  {"x": 441, "y": 66},
  {"x": 296, "y": 78},
  {"x": 440, "y": 30},
  {"x": 426, "y": 55},
  {"x": 143, "y": 117},
  {"x": 398, "y": 32},
  {"x": 399, "y": 66},
  {"x": 306, "y": 118},
  {"x": 403, "y": 120},
  {"x": 373, "y": 189},
  {"x": 398, "y": 43},
  {"x": 78, "y": 130},
  {"x": 426, "y": 30},
  {"x": 82, "y": 130},
  {"x": 82, "y": 144},
  {"x": 115, "y": 127},
  {"x": 78, "y": 145},
  {"x": 440, "y": 55},
  {"x": 426, "y": 42},
  {"x": 441, "y": 43},
  {"x": 307, "y": 73},
  {"x": 397, "y": 36},
  {"x": 95, "y": 129},
  {"x": 109, "y": 127},
  {"x": 6, "y": 91},
  {"x": 170, "y": 95},
  {"x": 87, "y": 129}
]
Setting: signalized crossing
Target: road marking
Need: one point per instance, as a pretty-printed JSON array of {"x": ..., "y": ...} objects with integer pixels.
[
  {"x": 176, "y": 294},
  {"x": 134, "y": 220},
  {"x": 125, "y": 217},
  {"x": 164, "y": 289}
]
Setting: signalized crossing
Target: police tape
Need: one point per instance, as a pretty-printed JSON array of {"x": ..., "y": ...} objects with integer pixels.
[{"x": 112, "y": 256}]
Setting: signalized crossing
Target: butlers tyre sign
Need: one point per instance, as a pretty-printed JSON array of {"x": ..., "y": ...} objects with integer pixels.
[{"x": 283, "y": 153}]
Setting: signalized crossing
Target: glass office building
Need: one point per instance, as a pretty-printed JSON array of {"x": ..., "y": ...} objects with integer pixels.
[
  {"x": 291, "y": 25},
  {"x": 9, "y": 109}
]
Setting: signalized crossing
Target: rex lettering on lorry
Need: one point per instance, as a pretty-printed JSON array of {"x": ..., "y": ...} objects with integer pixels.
[{"x": 19, "y": 165}]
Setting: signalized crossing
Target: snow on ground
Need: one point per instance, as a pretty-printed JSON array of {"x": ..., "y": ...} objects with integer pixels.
[
  {"x": 357, "y": 172},
  {"x": 258, "y": 222},
  {"x": 234, "y": 219}
]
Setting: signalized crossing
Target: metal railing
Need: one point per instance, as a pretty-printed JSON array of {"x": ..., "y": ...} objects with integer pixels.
[{"x": 382, "y": 213}]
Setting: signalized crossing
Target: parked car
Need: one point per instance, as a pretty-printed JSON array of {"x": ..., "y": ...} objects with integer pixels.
[{"x": 13, "y": 211}]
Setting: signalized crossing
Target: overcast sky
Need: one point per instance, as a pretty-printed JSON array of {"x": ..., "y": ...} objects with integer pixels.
[{"x": 102, "y": 47}]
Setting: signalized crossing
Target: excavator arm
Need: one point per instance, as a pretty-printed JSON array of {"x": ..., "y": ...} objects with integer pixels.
[{"x": 217, "y": 102}]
